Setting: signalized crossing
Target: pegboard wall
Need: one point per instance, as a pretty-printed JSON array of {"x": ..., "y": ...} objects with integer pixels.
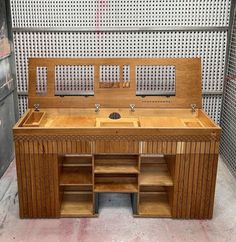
[
  {"x": 228, "y": 118},
  {"x": 106, "y": 29},
  {"x": 120, "y": 13}
]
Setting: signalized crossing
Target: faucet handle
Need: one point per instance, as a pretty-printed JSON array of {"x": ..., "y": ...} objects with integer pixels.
[
  {"x": 97, "y": 107},
  {"x": 193, "y": 106},
  {"x": 36, "y": 107},
  {"x": 132, "y": 106}
]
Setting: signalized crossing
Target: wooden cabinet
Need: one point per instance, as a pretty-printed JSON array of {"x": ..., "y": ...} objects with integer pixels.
[
  {"x": 166, "y": 158},
  {"x": 167, "y": 185}
]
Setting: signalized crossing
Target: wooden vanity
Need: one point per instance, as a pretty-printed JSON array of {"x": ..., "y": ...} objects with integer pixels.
[{"x": 163, "y": 151}]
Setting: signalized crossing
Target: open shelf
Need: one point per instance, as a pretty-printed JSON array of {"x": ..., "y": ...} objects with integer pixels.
[
  {"x": 73, "y": 160},
  {"x": 122, "y": 164},
  {"x": 116, "y": 187},
  {"x": 76, "y": 176},
  {"x": 154, "y": 204},
  {"x": 121, "y": 169},
  {"x": 155, "y": 172},
  {"x": 116, "y": 183},
  {"x": 77, "y": 204}
]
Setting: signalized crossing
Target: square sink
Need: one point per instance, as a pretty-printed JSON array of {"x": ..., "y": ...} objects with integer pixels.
[
  {"x": 118, "y": 123},
  {"x": 34, "y": 119},
  {"x": 193, "y": 124}
]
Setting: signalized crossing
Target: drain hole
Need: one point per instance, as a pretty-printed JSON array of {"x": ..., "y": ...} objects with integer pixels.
[{"x": 114, "y": 116}]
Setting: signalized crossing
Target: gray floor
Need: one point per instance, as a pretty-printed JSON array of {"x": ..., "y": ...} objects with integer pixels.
[{"x": 115, "y": 222}]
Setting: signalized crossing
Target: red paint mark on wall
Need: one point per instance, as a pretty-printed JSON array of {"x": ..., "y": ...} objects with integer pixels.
[{"x": 102, "y": 6}]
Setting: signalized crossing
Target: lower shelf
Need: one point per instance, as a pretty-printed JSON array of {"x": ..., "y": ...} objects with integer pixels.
[
  {"x": 154, "y": 204},
  {"x": 77, "y": 205}
]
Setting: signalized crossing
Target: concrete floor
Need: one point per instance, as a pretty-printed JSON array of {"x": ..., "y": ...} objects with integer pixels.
[{"x": 115, "y": 222}]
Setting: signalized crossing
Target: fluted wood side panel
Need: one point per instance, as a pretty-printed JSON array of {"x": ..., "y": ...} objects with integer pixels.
[
  {"x": 37, "y": 171},
  {"x": 37, "y": 181},
  {"x": 192, "y": 164},
  {"x": 159, "y": 147},
  {"x": 194, "y": 181}
]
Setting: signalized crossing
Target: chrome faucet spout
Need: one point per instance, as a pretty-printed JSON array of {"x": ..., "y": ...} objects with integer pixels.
[
  {"x": 97, "y": 107},
  {"x": 132, "y": 107},
  {"x": 193, "y": 107}
]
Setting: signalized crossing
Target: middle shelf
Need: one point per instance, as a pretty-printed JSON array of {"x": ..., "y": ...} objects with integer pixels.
[
  {"x": 76, "y": 170},
  {"x": 116, "y": 183},
  {"x": 122, "y": 164},
  {"x": 155, "y": 172},
  {"x": 76, "y": 176}
]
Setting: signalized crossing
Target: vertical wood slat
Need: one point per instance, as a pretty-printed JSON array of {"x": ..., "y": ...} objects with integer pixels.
[
  {"x": 176, "y": 180},
  {"x": 49, "y": 203},
  {"x": 19, "y": 178},
  {"x": 190, "y": 179},
  {"x": 32, "y": 174},
  {"x": 214, "y": 167},
  {"x": 37, "y": 179},
  {"x": 195, "y": 178},
  {"x": 28, "y": 178},
  {"x": 204, "y": 180},
  {"x": 200, "y": 181},
  {"x": 186, "y": 166}
]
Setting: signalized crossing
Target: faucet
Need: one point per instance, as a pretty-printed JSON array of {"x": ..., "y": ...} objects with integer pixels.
[
  {"x": 36, "y": 107},
  {"x": 97, "y": 107},
  {"x": 132, "y": 106},
  {"x": 193, "y": 106}
]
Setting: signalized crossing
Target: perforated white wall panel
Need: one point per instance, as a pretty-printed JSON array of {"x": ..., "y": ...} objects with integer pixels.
[
  {"x": 22, "y": 104},
  {"x": 115, "y": 14},
  {"x": 41, "y": 80},
  {"x": 121, "y": 13},
  {"x": 155, "y": 80},
  {"x": 212, "y": 106},
  {"x": 209, "y": 45},
  {"x": 75, "y": 80}
]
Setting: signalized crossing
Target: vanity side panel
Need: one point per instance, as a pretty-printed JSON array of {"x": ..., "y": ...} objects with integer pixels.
[
  {"x": 195, "y": 178},
  {"x": 37, "y": 174}
]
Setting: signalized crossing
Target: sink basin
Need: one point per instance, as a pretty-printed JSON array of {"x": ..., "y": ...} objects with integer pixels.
[
  {"x": 194, "y": 124},
  {"x": 119, "y": 123},
  {"x": 34, "y": 119}
]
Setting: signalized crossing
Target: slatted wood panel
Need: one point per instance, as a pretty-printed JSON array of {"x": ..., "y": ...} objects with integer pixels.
[
  {"x": 37, "y": 181},
  {"x": 192, "y": 165},
  {"x": 159, "y": 147},
  {"x": 37, "y": 171},
  {"x": 103, "y": 146},
  {"x": 194, "y": 181}
]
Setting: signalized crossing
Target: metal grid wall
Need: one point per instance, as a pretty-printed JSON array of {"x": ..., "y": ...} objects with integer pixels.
[
  {"x": 119, "y": 13},
  {"x": 74, "y": 80},
  {"x": 228, "y": 116},
  {"x": 125, "y": 29},
  {"x": 41, "y": 81},
  {"x": 159, "y": 80}
]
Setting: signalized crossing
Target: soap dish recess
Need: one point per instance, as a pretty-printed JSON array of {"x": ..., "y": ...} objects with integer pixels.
[{"x": 34, "y": 119}]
